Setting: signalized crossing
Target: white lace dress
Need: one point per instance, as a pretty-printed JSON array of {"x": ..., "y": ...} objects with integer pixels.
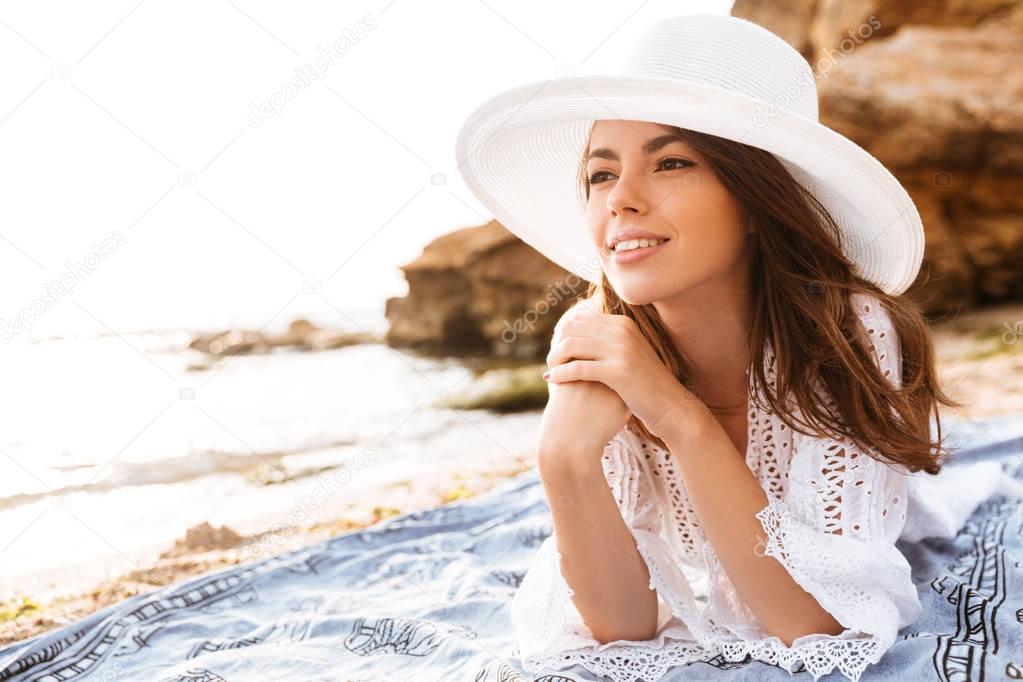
[{"x": 833, "y": 517}]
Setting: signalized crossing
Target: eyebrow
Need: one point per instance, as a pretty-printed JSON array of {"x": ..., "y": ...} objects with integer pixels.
[{"x": 649, "y": 147}]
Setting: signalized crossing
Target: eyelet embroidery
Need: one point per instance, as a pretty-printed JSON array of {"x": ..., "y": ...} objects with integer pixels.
[{"x": 769, "y": 453}]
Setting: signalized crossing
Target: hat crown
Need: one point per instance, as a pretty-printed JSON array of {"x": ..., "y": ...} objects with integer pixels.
[{"x": 730, "y": 53}]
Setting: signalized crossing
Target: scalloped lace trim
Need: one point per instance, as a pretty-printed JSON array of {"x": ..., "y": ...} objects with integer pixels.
[
  {"x": 851, "y": 652},
  {"x": 628, "y": 663}
]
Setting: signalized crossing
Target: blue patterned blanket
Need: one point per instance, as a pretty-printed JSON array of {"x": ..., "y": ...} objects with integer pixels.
[{"x": 425, "y": 596}]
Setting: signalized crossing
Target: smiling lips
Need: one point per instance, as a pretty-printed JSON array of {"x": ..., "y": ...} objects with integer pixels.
[
  {"x": 630, "y": 235},
  {"x": 636, "y": 249}
]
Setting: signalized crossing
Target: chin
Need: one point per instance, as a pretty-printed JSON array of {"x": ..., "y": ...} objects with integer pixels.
[{"x": 643, "y": 290}]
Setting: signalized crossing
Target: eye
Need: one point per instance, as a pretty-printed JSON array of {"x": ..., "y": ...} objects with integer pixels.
[{"x": 683, "y": 163}]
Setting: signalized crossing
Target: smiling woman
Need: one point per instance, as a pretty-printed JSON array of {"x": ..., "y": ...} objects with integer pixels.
[
  {"x": 707, "y": 245},
  {"x": 746, "y": 374}
]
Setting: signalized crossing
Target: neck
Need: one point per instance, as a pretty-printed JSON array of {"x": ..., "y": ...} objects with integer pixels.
[{"x": 709, "y": 325}]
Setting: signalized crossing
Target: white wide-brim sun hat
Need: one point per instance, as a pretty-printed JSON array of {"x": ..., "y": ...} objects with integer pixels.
[{"x": 519, "y": 152}]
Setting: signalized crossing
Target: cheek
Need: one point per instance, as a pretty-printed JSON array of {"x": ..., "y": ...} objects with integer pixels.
[
  {"x": 593, "y": 221},
  {"x": 707, "y": 227}
]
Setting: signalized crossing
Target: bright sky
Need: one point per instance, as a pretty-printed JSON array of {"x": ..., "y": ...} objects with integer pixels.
[{"x": 136, "y": 171}]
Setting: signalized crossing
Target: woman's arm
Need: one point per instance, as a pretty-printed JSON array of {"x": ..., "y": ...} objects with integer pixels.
[
  {"x": 804, "y": 575},
  {"x": 599, "y": 558},
  {"x": 726, "y": 496},
  {"x": 725, "y": 493}
]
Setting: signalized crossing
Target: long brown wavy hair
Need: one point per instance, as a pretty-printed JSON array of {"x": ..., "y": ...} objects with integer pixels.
[{"x": 802, "y": 283}]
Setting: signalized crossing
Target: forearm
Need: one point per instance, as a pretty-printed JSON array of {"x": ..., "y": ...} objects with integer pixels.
[
  {"x": 726, "y": 495},
  {"x": 599, "y": 558}
]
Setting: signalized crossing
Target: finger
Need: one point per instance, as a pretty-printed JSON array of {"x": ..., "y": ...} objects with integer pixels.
[
  {"x": 577, "y": 347},
  {"x": 575, "y": 370},
  {"x": 596, "y": 325}
]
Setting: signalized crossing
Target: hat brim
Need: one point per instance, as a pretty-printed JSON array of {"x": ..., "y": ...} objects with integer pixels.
[{"x": 519, "y": 153}]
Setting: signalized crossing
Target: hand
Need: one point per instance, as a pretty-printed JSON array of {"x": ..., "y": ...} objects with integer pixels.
[
  {"x": 580, "y": 416},
  {"x": 611, "y": 349},
  {"x": 579, "y": 419}
]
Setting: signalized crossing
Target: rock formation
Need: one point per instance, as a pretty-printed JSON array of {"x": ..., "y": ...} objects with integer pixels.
[
  {"x": 481, "y": 290},
  {"x": 300, "y": 335},
  {"x": 933, "y": 90}
]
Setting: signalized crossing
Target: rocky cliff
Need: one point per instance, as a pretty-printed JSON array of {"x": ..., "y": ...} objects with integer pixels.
[
  {"x": 933, "y": 89},
  {"x": 481, "y": 290}
]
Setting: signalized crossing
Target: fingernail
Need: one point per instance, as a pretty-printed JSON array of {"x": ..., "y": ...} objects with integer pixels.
[{"x": 546, "y": 375}]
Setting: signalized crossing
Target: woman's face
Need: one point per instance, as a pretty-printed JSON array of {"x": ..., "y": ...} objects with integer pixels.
[{"x": 644, "y": 178}]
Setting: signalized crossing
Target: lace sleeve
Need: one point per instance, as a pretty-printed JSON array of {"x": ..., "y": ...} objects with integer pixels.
[
  {"x": 549, "y": 629},
  {"x": 936, "y": 505},
  {"x": 834, "y": 529}
]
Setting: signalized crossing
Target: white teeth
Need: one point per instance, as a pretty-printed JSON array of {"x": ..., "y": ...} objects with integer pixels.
[{"x": 637, "y": 244}]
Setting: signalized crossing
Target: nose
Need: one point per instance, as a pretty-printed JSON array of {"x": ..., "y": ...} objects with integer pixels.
[{"x": 628, "y": 196}]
